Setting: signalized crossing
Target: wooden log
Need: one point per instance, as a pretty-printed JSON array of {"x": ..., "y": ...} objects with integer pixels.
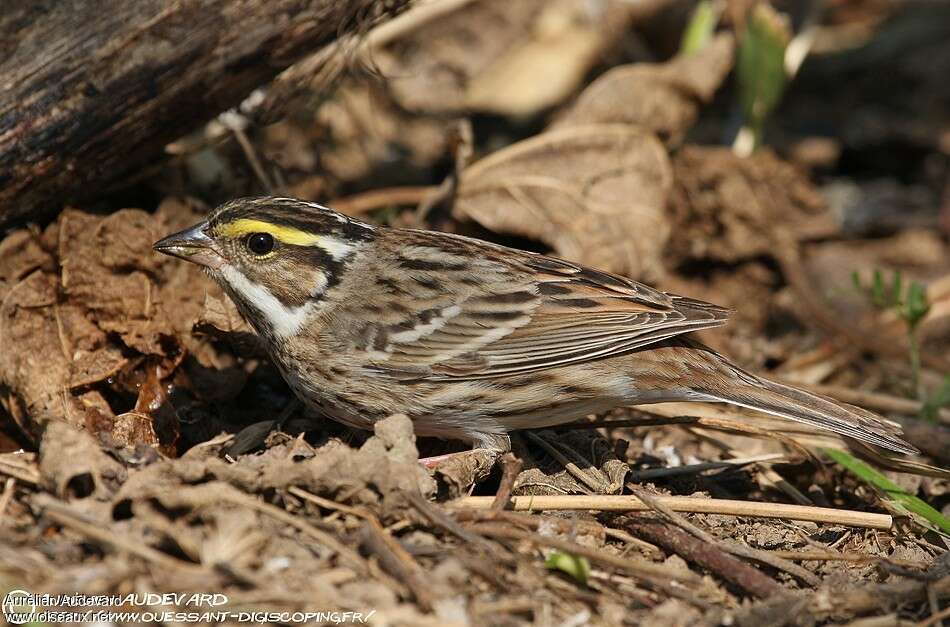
[{"x": 92, "y": 90}]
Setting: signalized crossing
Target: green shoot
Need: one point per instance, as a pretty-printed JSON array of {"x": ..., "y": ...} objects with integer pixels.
[
  {"x": 574, "y": 565},
  {"x": 936, "y": 401},
  {"x": 899, "y": 500},
  {"x": 910, "y": 304},
  {"x": 702, "y": 25},
  {"x": 760, "y": 70}
]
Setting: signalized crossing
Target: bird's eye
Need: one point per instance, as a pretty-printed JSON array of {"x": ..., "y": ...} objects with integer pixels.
[{"x": 260, "y": 243}]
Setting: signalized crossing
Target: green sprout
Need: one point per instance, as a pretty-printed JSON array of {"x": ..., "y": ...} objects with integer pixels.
[
  {"x": 574, "y": 565},
  {"x": 701, "y": 26},
  {"x": 937, "y": 400},
  {"x": 898, "y": 500},
  {"x": 760, "y": 69},
  {"x": 910, "y": 304}
]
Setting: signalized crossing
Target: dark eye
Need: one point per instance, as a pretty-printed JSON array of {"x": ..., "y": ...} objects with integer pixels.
[{"x": 260, "y": 243}]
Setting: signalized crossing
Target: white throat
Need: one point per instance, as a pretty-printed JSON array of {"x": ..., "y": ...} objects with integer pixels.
[{"x": 283, "y": 320}]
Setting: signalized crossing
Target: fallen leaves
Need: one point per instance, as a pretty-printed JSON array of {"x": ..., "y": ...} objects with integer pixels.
[
  {"x": 86, "y": 305},
  {"x": 662, "y": 97},
  {"x": 594, "y": 194},
  {"x": 500, "y": 57}
]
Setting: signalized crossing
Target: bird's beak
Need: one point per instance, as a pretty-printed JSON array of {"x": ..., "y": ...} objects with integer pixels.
[{"x": 192, "y": 245}]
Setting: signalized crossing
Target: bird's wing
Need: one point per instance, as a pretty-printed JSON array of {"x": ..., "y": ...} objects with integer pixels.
[{"x": 525, "y": 314}]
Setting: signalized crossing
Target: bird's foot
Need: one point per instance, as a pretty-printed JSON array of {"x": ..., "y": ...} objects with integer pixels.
[
  {"x": 463, "y": 469},
  {"x": 436, "y": 460}
]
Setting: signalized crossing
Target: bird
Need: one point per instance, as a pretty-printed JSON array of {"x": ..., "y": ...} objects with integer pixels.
[{"x": 470, "y": 339}]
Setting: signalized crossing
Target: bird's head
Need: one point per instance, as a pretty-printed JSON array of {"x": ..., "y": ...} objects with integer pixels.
[{"x": 275, "y": 257}]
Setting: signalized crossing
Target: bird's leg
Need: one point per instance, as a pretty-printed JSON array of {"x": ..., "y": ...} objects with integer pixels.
[
  {"x": 479, "y": 455},
  {"x": 435, "y": 460},
  {"x": 489, "y": 445},
  {"x": 464, "y": 467}
]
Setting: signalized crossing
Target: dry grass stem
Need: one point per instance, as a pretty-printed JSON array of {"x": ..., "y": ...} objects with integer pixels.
[
  {"x": 64, "y": 516},
  {"x": 727, "y": 507}
]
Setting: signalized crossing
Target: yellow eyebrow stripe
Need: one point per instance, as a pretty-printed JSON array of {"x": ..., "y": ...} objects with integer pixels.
[{"x": 285, "y": 234}]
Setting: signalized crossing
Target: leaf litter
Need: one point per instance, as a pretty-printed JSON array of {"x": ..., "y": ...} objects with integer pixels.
[{"x": 127, "y": 374}]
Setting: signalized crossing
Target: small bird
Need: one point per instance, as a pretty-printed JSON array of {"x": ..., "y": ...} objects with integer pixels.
[{"x": 470, "y": 339}]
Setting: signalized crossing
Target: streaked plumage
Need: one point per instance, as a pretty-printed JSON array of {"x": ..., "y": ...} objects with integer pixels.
[{"x": 469, "y": 339}]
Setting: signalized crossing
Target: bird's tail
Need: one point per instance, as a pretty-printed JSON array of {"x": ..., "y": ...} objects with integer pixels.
[{"x": 812, "y": 409}]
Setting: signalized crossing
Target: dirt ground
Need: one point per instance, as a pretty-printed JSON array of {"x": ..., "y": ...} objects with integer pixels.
[{"x": 148, "y": 447}]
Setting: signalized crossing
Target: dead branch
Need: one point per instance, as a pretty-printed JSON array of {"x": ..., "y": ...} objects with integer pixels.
[
  {"x": 705, "y": 555},
  {"x": 92, "y": 91}
]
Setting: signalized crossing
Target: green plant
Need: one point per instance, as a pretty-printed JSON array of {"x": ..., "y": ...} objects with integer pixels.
[
  {"x": 896, "y": 497},
  {"x": 910, "y": 304},
  {"x": 701, "y": 26},
  {"x": 937, "y": 400},
  {"x": 574, "y": 565},
  {"x": 760, "y": 71}
]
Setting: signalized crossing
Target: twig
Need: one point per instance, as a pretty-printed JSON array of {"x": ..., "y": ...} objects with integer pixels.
[
  {"x": 65, "y": 517},
  {"x": 735, "y": 548},
  {"x": 852, "y": 600},
  {"x": 621, "y": 535},
  {"x": 637, "y": 567},
  {"x": 327, "y": 503},
  {"x": 235, "y": 123},
  {"x": 348, "y": 555},
  {"x": 534, "y": 521},
  {"x": 832, "y": 556},
  {"x": 569, "y": 465},
  {"x": 461, "y": 143},
  {"x": 706, "y": 555},
  {"x": 658, "y": 576},
  {"x": 216, "y": 492},
  {"x": 394, "y": 557},
  {"x": 727, "y": 507},
  {"x": 932, "y": 599},
  {"x": 24, "y": 472},
  {"x": 510, "y": 466},
  {"x": 437, "y": 517},
  {"x": 656, "y": 473},
  {"x": 935, "y": 619},
  {"x": 864, "y": 598},
  {"x": 787, "y": 252},
  {"x": 7, "y": 496},
  {"x": 504, "y": 606},
  {"x": 365, "y": 202},
  {"x": 771, "y": 478},
  {"x": 397, "y": 561}
]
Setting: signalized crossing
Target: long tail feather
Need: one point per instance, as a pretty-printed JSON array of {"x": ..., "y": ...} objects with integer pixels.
[{"x": 818, "y": 411}]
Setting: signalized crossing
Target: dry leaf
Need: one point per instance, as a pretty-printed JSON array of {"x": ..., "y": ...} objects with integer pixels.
[
  {"x": 511, "y": 58},
  {"x": 664, "y": 97},
  {"x": 74, "y": 466},
  {"x": 594, "y": 194},
  {"x": 111, "y": 302},
  {"x": 360, "y": 131}
]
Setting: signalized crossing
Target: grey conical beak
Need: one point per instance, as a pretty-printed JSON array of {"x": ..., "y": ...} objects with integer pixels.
[{"x": 192, "y": 245}]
